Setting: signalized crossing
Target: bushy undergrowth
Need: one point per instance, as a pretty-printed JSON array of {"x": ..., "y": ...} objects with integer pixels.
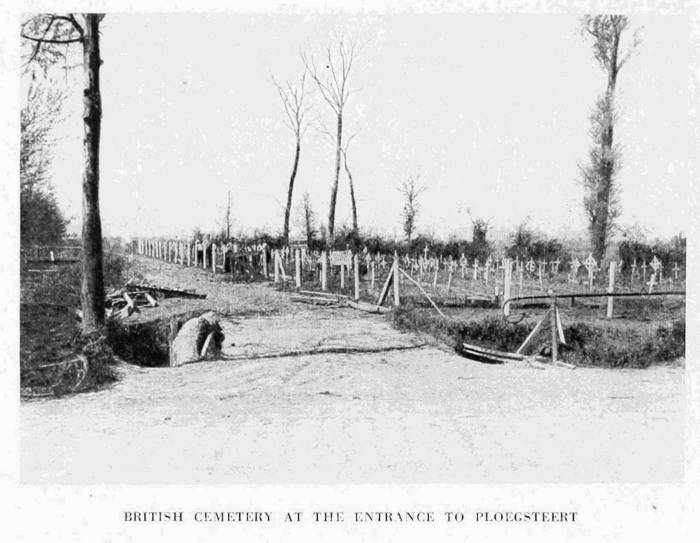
[
  {"x": 55, "y": 357},
  {"x": 598, "y": 345}
]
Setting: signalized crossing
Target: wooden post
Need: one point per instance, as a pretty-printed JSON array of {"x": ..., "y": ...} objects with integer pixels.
[
  {"x": 435, "y": 275},
  {"x": 213, "y": 258},
  {"x": 342, "y": 277},
  {"x": 520, "y": 281},
  {"x": 356, "y": 269},
  {"x": 264, "y": 259},
  {"x": 277, "y": 266},
  {"x": 189, "y": 254},
  {"x": 297, "y": 267},
  {"x": 507, "y": 277},
  {"x": 449, "y": 280},
  {"x": 372, "y": 276},
  {"x": 395, "y": 271},
  {"x": 611, "y": 289},
  {"x": 553, "y": 326},
  {"x": 204, "y": 255},
  {"x": 324, "y": 271}
]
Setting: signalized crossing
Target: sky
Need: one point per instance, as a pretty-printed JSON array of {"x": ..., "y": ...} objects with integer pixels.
[{"x": 490, "y": 110}]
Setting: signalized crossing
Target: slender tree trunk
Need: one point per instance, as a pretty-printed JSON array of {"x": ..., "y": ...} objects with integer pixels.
[
  {"x": 288, "y": 209},
  {"x": 352, "y": 194},
  {"x": 92, "y": 287},
  {"x": 334, "y": 187}
]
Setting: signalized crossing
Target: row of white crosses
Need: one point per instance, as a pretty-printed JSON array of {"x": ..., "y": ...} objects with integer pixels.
[{"x": 187, "y": 253}]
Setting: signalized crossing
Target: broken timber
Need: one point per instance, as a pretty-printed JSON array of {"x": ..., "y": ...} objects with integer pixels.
[{"x": 164, "y": 291}]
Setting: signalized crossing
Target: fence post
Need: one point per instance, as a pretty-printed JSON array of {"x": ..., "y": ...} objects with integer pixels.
[
  {"x": 356, "y": 267},
  {"x": 213, "y": 258},
  {"x": 264, "y": 259},
  {"x": 277, "y": 266},
  {"x": 611, "y": 289},
  {"x": 396, "y": 273},
  {"x": 324, "y": 271},
  {"x": 297, "y": 267},
  {"x": 372, "y": 283},
  {"x": 507, "y": 277},
  {"x": 189, "y": 254},
  {"x": 342, "y": 276}
]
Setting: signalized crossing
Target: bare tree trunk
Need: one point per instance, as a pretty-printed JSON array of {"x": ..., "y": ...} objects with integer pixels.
[
  {"x": 288, "y": 209},
  {"x": 334, "y": 187},
  {"x": 92, "y": 287},
  {"x": 352, "y": 194}
]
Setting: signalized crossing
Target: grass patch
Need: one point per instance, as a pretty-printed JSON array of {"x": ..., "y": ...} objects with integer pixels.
[
  {"x": 56, "y": 358},
  {"x": 598, "y": 344}
]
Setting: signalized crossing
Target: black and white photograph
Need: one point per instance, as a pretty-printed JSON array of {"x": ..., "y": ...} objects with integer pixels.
[{"x": 326, "y": 247}]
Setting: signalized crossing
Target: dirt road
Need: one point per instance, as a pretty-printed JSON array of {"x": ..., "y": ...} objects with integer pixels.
[{"x": 411, "y": 414}]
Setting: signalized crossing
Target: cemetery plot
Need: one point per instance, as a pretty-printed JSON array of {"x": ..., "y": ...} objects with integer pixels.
[{"x": 445, "y": 280}]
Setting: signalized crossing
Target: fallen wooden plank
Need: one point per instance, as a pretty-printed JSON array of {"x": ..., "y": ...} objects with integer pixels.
[
  {"x": 534, "y": 331},
  {"x": 385, "y": 289},
  {"x": 320, "y": 293},
  {"x": 369, "y": 308},
  {"x": 502, "y": 354},
  {"x": 173, "y": 292}
]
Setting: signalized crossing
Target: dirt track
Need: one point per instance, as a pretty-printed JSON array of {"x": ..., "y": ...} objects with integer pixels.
[{"x": 414, "y": 413}]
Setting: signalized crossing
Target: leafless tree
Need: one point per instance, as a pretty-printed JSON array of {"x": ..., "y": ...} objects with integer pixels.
[
  {"x": 601, "y": 199},
  {"x": 344, "y": 151},
  {"x": 410, "y": 189},
  {"x": 293, "y": 98},
  {"x": 46, "y": 33},
  {"x": 332, "y": 77}
]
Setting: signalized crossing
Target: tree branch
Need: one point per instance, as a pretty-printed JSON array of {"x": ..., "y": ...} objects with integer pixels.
[{"x": 48, "y": 40}]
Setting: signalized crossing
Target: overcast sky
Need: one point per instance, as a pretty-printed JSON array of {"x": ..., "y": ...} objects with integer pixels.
[{"x": 491, "y": 110}]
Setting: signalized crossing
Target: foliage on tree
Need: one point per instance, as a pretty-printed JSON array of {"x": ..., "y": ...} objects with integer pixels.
[
  {"x": 598, "y": 174},
  {"x": 527, "y": 243},
  {"x": 41, "y": 220},
  {"x": 411, "y": 190},
  {"x": 45, "y": 34},
  {"x": 309, "y": 218}
]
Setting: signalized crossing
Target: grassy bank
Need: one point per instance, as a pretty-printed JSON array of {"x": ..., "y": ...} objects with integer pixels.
[
  {"x": 599, "y": 344},
  {"x": 56, "y": 358}
]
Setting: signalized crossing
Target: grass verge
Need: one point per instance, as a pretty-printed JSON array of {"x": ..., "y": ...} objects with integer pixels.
[{"x": 588, "y": 344}]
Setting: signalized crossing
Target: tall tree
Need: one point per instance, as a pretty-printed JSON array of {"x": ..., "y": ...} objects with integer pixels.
[
  {"x": 598, "y": 175},
  {"x": 41, "y": 220},
  {"x": 46, "y": 32},
  {"x": 410, "y": 189},
  {"x": 295, "y": 110},
  {"x": 333, "y": 82}
]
